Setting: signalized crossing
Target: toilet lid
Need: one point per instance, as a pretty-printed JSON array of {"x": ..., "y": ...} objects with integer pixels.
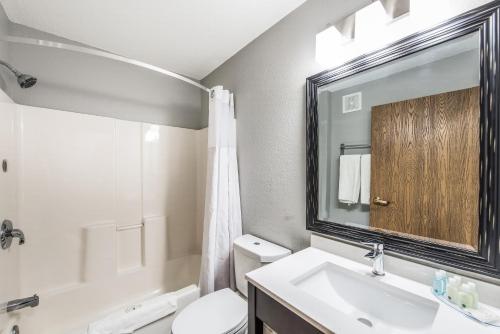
[{"x": 220, "y": 312}]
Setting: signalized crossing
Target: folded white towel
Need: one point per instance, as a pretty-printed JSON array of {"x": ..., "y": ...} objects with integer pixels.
[
  {"x": 135, "y": 316},
  {"x": 349, "y": 178},
  {"x": 365, "y": 178}
]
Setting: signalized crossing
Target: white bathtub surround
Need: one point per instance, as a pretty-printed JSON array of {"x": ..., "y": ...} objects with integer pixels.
[
  {"x": 135, "y": 316},
  {"x": 222, "y": 221},
  {"x": 163, "y": 324},
  {"x": 122, "y": 197},
  {"x": 338, "y": 295},
  {"x": 9, "y": 289}
]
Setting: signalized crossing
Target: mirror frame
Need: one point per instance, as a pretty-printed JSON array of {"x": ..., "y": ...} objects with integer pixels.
[{"x": 486, "y": 260}]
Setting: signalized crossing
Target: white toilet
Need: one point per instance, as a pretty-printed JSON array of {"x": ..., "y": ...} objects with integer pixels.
[{"x": 225, "y": 311}]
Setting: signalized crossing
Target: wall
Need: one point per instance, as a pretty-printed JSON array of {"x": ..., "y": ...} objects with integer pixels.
[
  {"x": 268, "y": 78},
  {"x": 109, "y": 209},
  {"x": 9, "y": 259},
  {"x": 93, "y": 85}
]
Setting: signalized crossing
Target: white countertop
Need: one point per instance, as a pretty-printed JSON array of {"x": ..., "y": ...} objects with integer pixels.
[{"x": 275, "y": 279}]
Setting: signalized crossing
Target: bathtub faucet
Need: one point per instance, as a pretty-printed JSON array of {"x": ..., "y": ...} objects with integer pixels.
[
  {"x": 7, "y": 233},
  {"x": 18, "y": 304}
]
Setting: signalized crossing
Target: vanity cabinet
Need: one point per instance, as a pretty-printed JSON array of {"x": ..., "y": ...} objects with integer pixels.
[{"x": 262, "y": 308}]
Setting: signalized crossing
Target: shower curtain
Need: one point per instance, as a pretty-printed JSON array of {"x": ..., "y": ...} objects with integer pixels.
[{"x": 222, "y": 220}]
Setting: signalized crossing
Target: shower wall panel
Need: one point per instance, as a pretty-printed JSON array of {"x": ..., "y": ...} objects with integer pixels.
[
  {"x": 110, "y": 211},
  {"x": 9, "y": 259}
]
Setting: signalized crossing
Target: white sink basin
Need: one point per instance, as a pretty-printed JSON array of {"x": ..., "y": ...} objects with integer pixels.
[{"x": 377, "y": 305}]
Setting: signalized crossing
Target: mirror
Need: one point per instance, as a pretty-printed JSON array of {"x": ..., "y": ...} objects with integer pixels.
[
  {"x": 402, "y": 150},
  {"x": 399, "y": 146}
]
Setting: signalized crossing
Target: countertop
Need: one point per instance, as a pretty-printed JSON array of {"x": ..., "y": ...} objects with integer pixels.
[{"x": 276, "y": 279}]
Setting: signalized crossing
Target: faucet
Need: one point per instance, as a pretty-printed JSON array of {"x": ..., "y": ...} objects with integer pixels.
[
  {"x": 7, "y": 233},
  {"x": 377, "y": 256},
  {"x": 18, "y": 304}
]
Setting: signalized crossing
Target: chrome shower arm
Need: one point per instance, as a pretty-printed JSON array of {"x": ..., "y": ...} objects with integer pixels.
[
  {"x": 10, "y": 68},
  {"x": 24, "y": 80}
]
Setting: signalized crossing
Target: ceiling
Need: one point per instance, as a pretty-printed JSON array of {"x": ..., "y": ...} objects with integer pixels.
[{"x": 191, "y": 37}]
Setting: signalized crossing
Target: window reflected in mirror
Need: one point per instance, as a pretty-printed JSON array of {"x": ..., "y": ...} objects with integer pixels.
[{"x": 399, "y": 146}]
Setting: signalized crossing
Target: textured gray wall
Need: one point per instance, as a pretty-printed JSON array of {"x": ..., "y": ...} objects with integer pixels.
[
  {"x": 97, "y": 86},
  {"x": 268, "y": 78}
]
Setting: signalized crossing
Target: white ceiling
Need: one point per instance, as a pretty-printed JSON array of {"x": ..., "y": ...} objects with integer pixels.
[{"x": 191, "y": 37}]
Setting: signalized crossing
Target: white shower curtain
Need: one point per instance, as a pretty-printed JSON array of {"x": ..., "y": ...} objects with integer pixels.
[{"x": 222, "y": 220}]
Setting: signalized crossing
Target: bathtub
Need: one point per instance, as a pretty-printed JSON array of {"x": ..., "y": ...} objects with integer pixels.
[{"x": 183, "y": 297}]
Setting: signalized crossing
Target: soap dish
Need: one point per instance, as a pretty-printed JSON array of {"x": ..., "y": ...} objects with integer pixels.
[{"x": 483, "y": 314}]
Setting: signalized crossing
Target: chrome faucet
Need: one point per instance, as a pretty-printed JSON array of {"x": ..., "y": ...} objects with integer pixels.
[
  {"x": 377, "y": 256},
  {"x": 18, "y": 304}
]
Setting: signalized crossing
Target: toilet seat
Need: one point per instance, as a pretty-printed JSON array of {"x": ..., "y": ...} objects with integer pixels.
[{"x": 220, "y": 312}]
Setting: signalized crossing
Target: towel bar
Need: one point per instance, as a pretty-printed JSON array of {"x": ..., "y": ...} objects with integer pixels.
[{"x": 344, "y": 147}]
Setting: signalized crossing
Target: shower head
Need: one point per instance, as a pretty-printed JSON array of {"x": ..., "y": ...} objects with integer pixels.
[{"x": 24, "y": 80}]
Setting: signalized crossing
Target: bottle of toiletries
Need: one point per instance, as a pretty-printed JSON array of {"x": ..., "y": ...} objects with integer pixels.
[
  {"x": 439, "y": 283},
  {"x": 453, "y": 289},
  {"x": 475, "y": 294},
  {"x": 466, "y": 296}
]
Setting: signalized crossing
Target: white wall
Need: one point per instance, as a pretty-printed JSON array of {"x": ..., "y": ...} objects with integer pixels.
[
  {"x": 268, "y": 78},
  {"x": 81, "y": 180}
]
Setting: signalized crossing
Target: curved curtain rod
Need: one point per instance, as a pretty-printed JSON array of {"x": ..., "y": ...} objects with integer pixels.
[{"x": 100, "y": 53}]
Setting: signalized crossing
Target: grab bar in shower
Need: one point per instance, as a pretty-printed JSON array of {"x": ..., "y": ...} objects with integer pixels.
[
  {"x": 18, "y": 304},
  {"x": 129, "y": 227}
]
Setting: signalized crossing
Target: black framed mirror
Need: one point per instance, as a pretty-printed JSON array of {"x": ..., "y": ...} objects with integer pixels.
[{"x": 402, "y": 145}]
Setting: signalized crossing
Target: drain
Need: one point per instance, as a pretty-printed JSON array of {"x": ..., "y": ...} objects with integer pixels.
[{"x": 365, "y": 322}]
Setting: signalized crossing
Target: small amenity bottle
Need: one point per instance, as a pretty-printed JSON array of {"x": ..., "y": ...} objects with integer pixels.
[
  {"x": 474, "y": 293},
  {"x": 454, "y": 289},
  {"x": 439, "y": 283},
  {"x": 466, "y": 296}
]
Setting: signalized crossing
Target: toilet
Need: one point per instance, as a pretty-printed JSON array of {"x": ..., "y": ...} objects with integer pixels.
[{"x": 225, "y": 311}]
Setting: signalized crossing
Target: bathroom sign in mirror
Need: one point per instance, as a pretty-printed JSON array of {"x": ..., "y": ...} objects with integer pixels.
[
  {"x": 402, "y": 145},
  {"x": 407, "y": 160}
]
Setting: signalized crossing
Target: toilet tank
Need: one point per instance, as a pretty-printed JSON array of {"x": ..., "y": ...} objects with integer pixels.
[{"x": 251, "y": 253}]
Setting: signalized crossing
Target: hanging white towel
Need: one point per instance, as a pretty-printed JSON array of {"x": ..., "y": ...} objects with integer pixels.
[
  {"x": 365, "y": 178},
  {"x": 349, "y": 178}
]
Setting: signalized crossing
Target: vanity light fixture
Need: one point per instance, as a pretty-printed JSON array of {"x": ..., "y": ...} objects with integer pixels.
[
  {"x": 335, "y": 35},
  {"x": 396, "y": 8},
  {"x": 367, "y": 21}
]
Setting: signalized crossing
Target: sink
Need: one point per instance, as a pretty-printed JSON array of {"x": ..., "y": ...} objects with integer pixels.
[{"x": 368, "y": 299}]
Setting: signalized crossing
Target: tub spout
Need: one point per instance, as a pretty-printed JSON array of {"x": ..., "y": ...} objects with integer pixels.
[{"x": 18, "y": 304}]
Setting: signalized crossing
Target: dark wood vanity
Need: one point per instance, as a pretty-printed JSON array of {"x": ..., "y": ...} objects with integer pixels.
[{"x": 264, "y": 309}]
